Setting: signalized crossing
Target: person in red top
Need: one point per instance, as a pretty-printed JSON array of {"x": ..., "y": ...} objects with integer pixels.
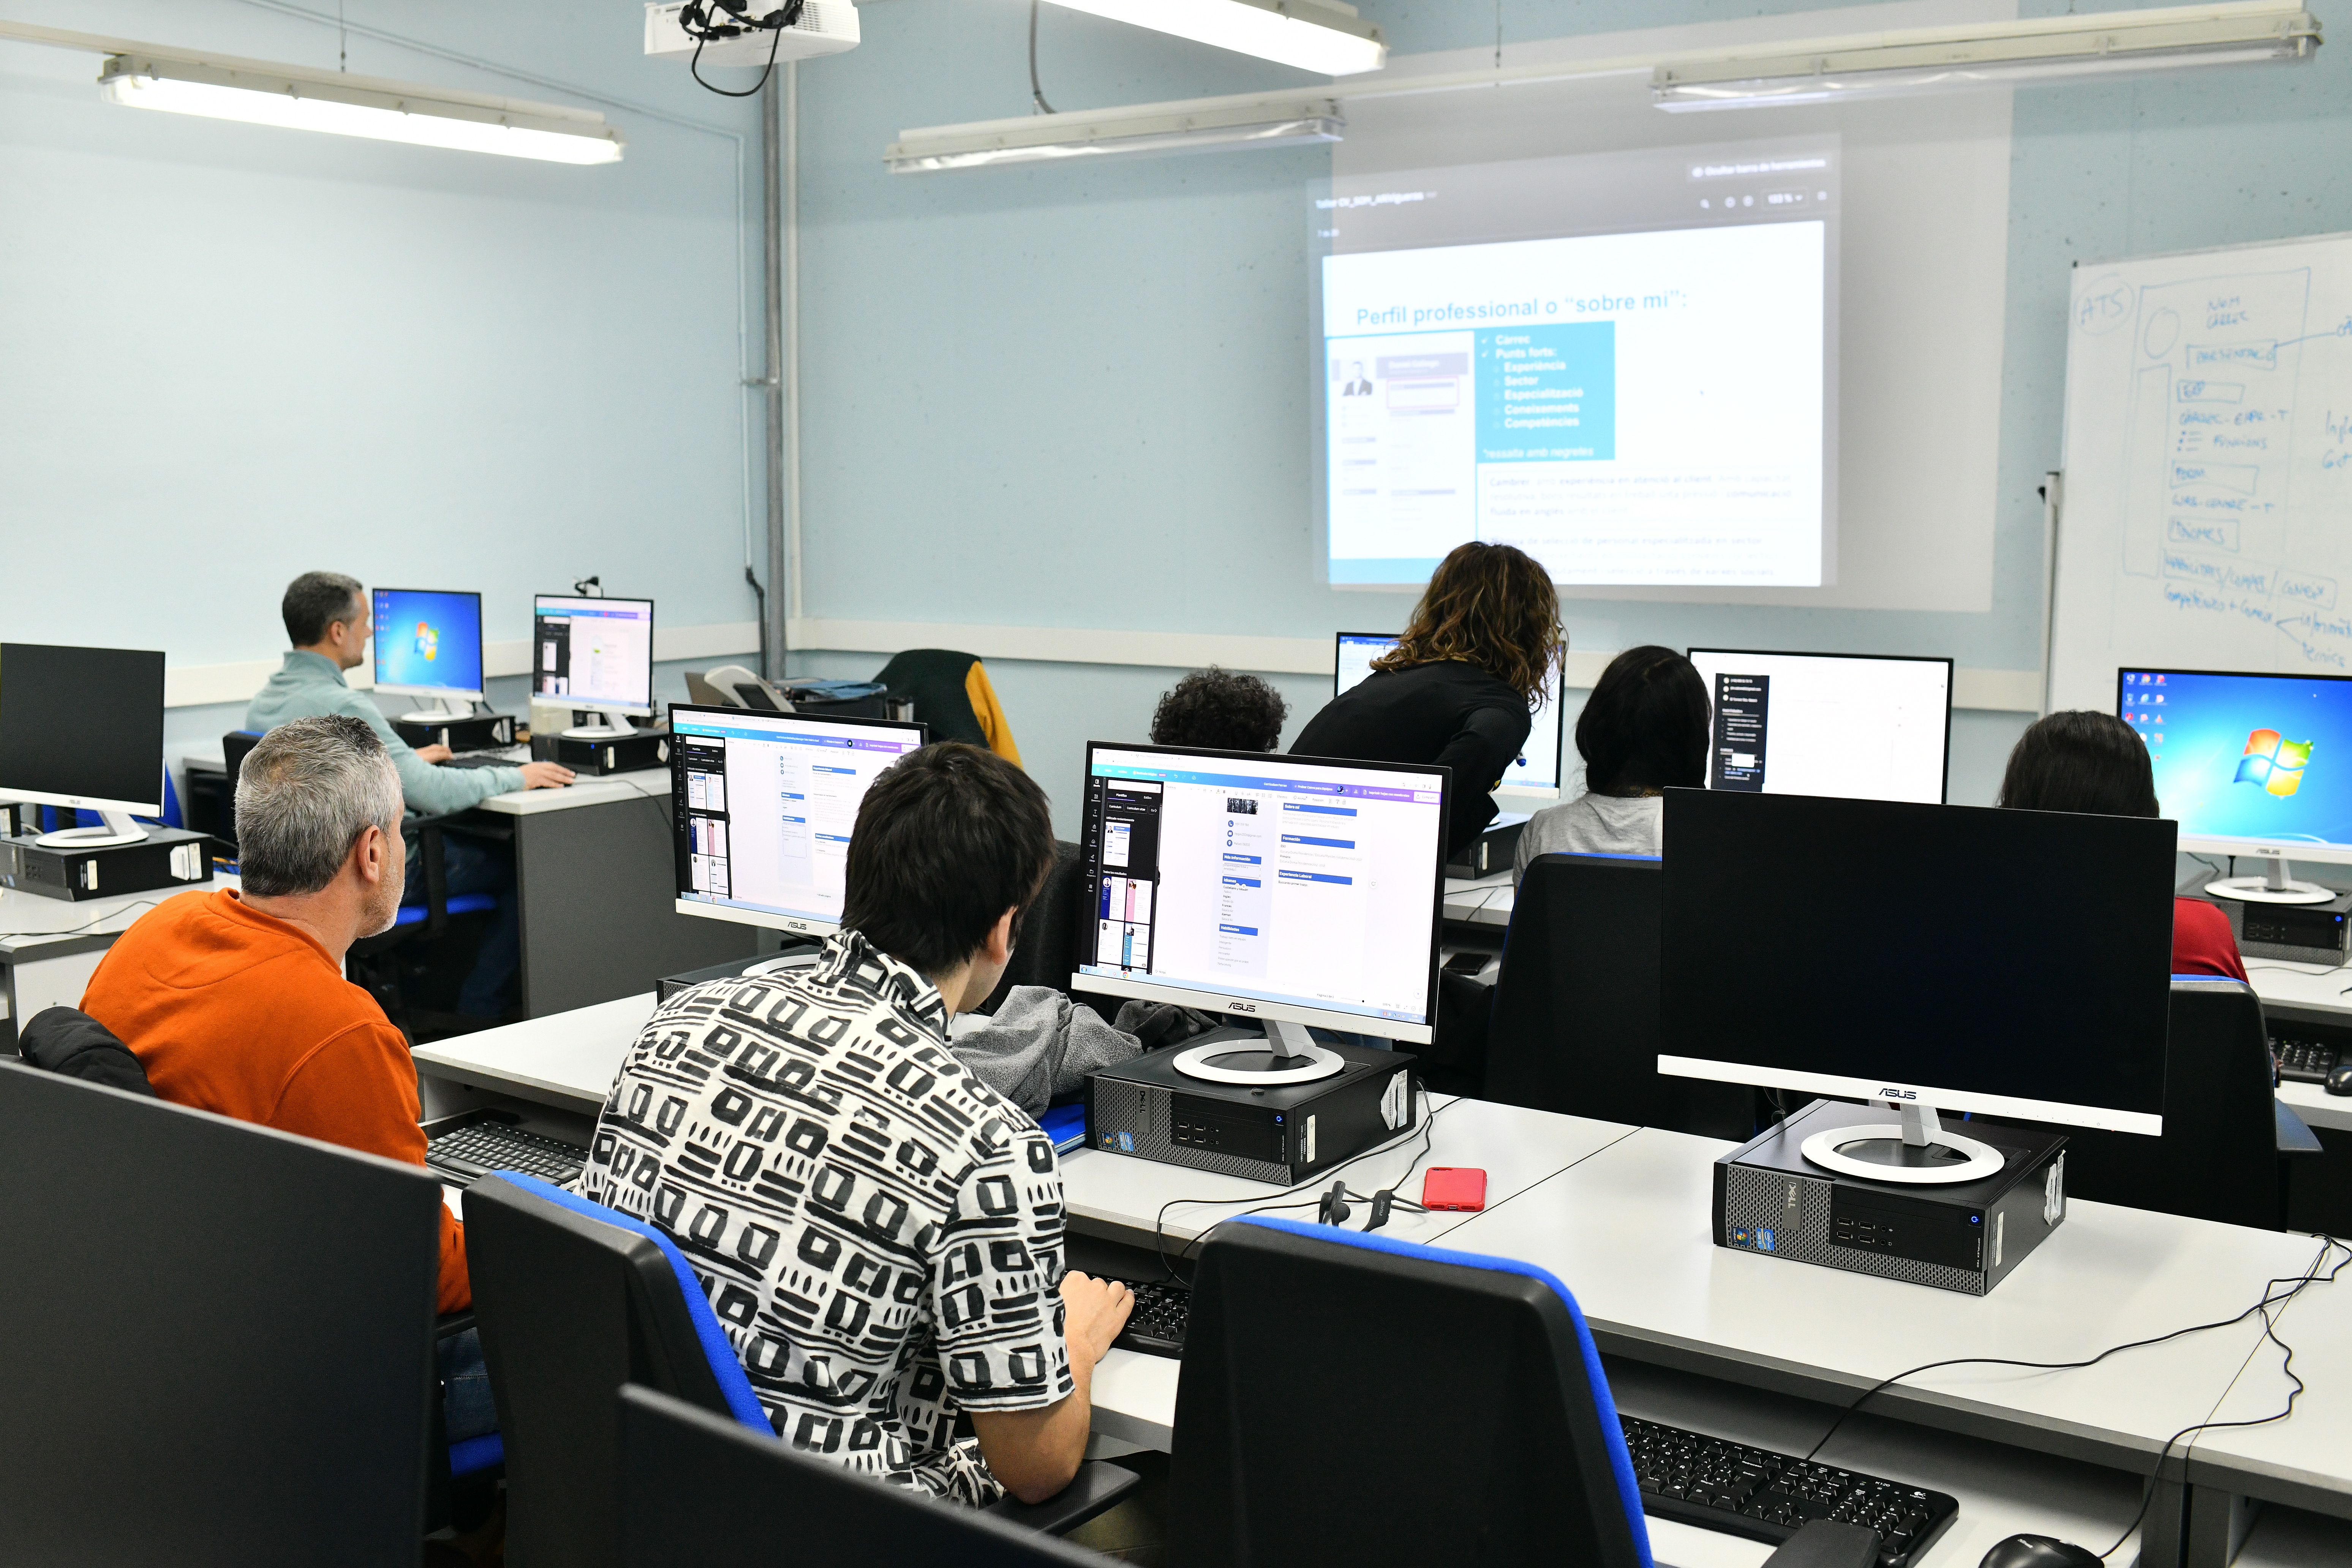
[
  {"x": 2083, "y": 761},
  {"x": 235, "y": 1002}
]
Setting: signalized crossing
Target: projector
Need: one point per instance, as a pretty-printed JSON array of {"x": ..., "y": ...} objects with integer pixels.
[{"x": 823, "y": 28}]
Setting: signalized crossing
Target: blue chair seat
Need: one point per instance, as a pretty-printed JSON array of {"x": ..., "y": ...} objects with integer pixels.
[
  {"x": 463, "y": 904},
  {"x": 476, "y": 1455}
]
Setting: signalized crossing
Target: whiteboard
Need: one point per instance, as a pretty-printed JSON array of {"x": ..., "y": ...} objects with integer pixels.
[{"x": 2206, "y": 517}]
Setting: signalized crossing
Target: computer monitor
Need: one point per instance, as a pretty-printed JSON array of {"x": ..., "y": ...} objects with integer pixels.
[
  {"x": 83, "y": 727},
  {"x": 2250, "y": 764},
  {"x": 1535, "y": 771},
  {"x": 764, "y": 805},
  {"x": 595, "y": 653},
  {"x": 1293, "y": 891},
  {"x": 1862, "y": 726},
  {"x": 428, "y": 642},
  {"x": 1940, "y": 958}
]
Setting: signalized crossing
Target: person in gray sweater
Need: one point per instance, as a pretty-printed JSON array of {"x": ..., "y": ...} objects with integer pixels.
[{"x": 1644, "y": 730}]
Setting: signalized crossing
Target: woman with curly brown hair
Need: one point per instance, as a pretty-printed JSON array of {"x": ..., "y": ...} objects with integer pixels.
[{"x": 1459, "y": 687}]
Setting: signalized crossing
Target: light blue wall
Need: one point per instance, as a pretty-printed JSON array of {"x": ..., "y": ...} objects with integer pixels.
[
  {"x": 229, "y": 354},
  {"x": 1078, "y": 395}
]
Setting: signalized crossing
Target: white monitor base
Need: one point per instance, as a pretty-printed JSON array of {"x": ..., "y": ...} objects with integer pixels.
[
  {"x": 1285, "y": 1042},
  {"x": 1917, "y": 1150},
  {"x": 438, "y": 715},
  {"x": 120, "y": 829},
  {"x": 2258, "y": 890},
  {"x": 603, "y": 727}
]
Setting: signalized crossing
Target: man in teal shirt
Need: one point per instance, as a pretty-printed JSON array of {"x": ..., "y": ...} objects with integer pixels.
[{"x": 327, "y": 620}]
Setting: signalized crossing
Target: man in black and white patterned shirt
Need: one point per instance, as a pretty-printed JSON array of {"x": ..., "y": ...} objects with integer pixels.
[{"x": 879, "y": 1232}]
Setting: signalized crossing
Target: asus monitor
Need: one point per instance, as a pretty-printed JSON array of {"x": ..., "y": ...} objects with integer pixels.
[
  {"x": 1535, "y": 771},
  {"x": 1861, "y": 726},
  {"x": 1292, "y": 890},
  {"x": 428, "y": 642},
  {"x": 83, "y": 727},
  {"x": 765, "y": 804},
  {"x": 2255, "y": 766}
]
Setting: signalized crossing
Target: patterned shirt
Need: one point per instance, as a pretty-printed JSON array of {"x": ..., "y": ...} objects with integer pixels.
[{"x": 880, "y": 1233}]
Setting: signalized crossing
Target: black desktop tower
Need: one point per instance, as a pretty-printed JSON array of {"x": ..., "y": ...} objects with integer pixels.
[
  {"x": 1966, "y": 1237},
  {"x": 459, "y": 732},
  {"x": 623, "y": 754},
  {"x": 167, "y": 858},
  {"x": 1150, "y": 1108}
]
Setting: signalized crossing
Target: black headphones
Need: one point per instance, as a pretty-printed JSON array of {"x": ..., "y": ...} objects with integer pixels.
[{"x": 1332, "y": 1207}]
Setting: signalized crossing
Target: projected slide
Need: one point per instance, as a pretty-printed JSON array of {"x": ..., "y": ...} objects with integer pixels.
[{"x": 1617, "y": 363}]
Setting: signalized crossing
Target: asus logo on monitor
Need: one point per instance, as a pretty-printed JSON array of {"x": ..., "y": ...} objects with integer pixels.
[
  {"x": 1241, "y": 1007},
  {"x": 1897, "y": 1094}
]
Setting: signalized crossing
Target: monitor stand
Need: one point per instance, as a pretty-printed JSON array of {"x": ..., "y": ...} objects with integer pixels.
[
  {"x": 605, "y": 725},
  {"x": 120, "y": 829},
  {"x": 1917, "y": 1150},
  {"x": 1286, "y": 1055},
  {"x": 2271, "y": 887},
  {"x": 441, "y": 712}
]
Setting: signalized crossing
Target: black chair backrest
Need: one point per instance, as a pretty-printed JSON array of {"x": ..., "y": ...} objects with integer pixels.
[
  {"x": 219, "y": 1345},
  {"x": 64, "y": 1041},
  {"x": 570, "y": 1309},
  {"x": 1047, "y": 952},
  {"x": 235, "y": 747},
  {"x": 698, "y": 1487},
  {"x": 933, "y": 679},
  {"x": 2217, "y": 1158},
  {"x": 1575, "y": 1022},
  {"x": 1347, "y": 1400}
]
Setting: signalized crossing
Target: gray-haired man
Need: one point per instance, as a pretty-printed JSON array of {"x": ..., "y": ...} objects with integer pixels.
[
  {"x": 235, "y": 1002},
  {"x": 326, "y": 615}
]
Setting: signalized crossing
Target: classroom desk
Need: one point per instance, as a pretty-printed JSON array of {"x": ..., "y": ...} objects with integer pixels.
[
  {"x": 1622, "y": 1216},
  {"x": 49, "y": 948},
  {"x": 595, "y": 873}
]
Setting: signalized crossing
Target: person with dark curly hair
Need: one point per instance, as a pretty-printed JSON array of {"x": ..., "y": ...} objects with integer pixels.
[{"x": 1220, "y": 711}]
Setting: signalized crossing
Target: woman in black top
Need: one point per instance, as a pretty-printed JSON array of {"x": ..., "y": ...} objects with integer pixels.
[{"x": 1460, "y": 684}]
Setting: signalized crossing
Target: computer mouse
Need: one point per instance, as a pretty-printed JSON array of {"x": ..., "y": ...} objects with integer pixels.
[
  {"x": 2037, "y": 1552},
  {"x": 2339, "y": 1079}
]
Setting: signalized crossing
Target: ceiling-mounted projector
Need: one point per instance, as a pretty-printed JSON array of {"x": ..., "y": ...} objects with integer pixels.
[{"x": 823, "y": 27}]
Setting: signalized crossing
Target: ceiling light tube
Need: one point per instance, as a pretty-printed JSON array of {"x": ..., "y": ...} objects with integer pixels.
[
  {"x": 260, "y": 93},
  {"x": 1146, "y": 127},
  {"x": 2046, "y": 49},
  {"x": 1320, "y": 35}
]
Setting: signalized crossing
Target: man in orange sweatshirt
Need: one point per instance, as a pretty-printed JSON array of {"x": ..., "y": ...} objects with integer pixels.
[{"x": 235, "y": 1002}]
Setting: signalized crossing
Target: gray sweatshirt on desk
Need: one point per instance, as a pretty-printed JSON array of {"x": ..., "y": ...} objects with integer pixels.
[
  {"x": 1040, "y": 1044},
  {"x": 1593, "y": 825}
]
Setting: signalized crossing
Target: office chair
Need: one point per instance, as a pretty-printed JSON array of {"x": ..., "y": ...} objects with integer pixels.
[
  {"x": 424, "y": 912},
  {"x": 2227, "y": 1141},
  {"x": 953, "y": 697},
  {"x": 222, "y": 1350},
  {"x": 696, "y": 1488},
  {"x": 1048, "y": 950},
  {"x": 1455, "y": 1410},
  {"x": 1575, "y": 1022},
  {"x": 74, "y": 1044},
  {"x": 573, "y": 1299}
]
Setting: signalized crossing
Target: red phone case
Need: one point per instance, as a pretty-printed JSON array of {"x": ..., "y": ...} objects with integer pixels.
[{"x": 1454, "y": 1187}]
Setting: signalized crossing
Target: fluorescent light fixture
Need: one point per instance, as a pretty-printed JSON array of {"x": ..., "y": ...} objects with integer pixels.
[
  {"x": 1201, "y": 125},
  {"x": 260, "y": 93},
  {"x": 1829, "y": 70},
  {"x": 1320, "y": 35}
]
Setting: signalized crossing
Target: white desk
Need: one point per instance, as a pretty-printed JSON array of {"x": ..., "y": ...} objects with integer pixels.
[
  {"x": 567, "y": 1061},
  {"x": 1484, "y": 902},
  {"x": 50, "y": 947}
]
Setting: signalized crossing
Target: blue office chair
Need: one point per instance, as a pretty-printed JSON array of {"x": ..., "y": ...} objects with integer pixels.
[
  {"x": 1352, "y": 1400},
  {"x": 1575, "y": 1022},
  {"x": 574, "y": 1300}
]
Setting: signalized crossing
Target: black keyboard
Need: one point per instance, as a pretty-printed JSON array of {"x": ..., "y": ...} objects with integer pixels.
[
  {"x": 2302, "y": 1061},
  {"x": 481, "y": 1148},
  {"x": 1764, "y": 1496},
  {"x": 1156, "y": 1327},
  {"x": 480, "y": 759}
]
